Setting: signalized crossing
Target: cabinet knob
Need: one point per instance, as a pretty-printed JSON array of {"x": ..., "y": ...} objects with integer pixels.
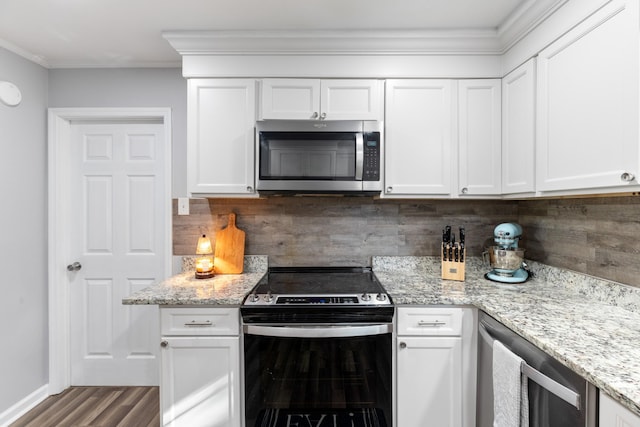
[
  {"x": 249, "y": 189},
  {"x": 164, "y": 344},
  {"x": 627, "y": 177},
  {"x": 403, "y": 344},
  {"x": 464, "y": 190},
  {"x": 323, "y": 116},
  {"x": 389, "y": 189},
  {"x": 314, "y": 115}
]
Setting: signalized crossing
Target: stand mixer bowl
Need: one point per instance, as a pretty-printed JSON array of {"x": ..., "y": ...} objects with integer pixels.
[{"x": 505, "y": 262}]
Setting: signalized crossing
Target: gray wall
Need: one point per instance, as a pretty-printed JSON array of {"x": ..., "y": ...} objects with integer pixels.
[
  {"x": 23, "y": 218},
  {"x": 130, "y": 87}
]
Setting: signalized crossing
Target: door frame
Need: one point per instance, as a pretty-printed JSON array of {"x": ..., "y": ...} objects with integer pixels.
[{"x": 60, "y": 121}]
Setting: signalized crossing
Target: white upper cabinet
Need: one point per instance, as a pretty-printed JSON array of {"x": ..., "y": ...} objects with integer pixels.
[
  {"x": 518, "y": 129},
  {"x": 418, "y": 137},
  {"x": 220, "y": 137},
  {"x": 588, "y": 94},
  {"x": 311, "y": 99},
  {"x": 479, "y": 137},
  {"x": 435, "y": 139}
]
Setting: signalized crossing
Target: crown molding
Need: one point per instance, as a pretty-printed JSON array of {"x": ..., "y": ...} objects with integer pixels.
[
  {"x": 490, "y": 41},
  {"x": 37, "y": 59},
  {"x": 389, "y": 42}
]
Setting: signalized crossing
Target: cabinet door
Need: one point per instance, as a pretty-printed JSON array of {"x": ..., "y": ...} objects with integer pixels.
[
  {"x": 418, "y": 137},
  {"x": 292, "y": 99},
  {"x": 429, "y": 382},
  {"x": 613, "y": 414},
  {"x": 479, "y": 137},
  {"x": 518, "y": 129},
  {"x": 351, "y": 100},
  {"x": 588, "y": 89},
  {"x": 220, "y": 140},
  {"x": 200, "y": 382}
]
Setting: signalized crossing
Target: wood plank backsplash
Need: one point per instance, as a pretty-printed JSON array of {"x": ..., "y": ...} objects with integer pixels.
[
  {"x": 599, "y": 236},
  {"x": 324, "y": 231}
]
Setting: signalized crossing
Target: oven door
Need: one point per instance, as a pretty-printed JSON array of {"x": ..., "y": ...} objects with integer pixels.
[{"x": 318, "y": 375}]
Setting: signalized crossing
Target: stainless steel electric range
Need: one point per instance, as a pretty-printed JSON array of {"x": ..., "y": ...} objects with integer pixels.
[{"x": 317, "y": 349}]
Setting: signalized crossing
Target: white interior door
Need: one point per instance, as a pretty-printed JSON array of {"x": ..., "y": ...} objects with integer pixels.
[{"x": 117, "y": 235}]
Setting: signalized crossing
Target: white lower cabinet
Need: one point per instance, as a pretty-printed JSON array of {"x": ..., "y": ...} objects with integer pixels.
[
  {"x": 613, "y": 414},
  {"x": 436, "y": 365},
  {"x": 200, "y": 375}
]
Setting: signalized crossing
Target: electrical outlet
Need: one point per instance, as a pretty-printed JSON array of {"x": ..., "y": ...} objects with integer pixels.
[{"x": 183, "y": 206}]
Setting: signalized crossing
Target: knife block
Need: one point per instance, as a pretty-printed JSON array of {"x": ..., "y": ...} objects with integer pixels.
[{"x": 454, "y": 270}]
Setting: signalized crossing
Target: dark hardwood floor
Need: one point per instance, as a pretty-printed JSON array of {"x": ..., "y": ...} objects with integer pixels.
[{"x": 97, "y": 406}]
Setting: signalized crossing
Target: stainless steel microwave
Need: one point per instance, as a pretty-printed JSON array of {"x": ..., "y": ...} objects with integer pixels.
[{"x": 319, "y": 157}]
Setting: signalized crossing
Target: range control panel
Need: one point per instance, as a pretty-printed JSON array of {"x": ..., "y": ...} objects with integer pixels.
[{"x": 362, "y": 299}]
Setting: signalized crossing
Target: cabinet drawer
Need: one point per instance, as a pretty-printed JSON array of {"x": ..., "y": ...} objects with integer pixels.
[
  {"x": 199, "y": 321},
  {"x": 430, "y": 321}
]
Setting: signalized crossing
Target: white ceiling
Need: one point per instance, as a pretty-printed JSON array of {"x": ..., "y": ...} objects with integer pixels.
[{"x": 128, "y": 33}]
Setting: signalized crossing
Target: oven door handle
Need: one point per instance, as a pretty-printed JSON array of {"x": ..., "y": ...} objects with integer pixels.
[{"x": 307, "y": 331}]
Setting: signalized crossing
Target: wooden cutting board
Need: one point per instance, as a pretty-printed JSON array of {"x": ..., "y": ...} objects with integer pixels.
[{"x": 229, "y": 254}]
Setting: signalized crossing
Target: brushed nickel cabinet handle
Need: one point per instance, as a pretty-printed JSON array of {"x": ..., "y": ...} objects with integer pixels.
[
  {"x": 194, "y": 323},
  {"x": 431, "y": 324}
]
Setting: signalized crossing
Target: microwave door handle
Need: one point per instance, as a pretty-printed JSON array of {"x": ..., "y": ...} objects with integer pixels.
[{"x": 359, "y": 155}]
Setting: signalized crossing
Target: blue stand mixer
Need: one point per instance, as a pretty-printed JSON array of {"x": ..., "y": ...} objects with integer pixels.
[{"x": 505, "y": 257}]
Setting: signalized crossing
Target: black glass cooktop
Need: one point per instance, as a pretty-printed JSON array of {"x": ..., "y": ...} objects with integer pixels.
[{"x": 319, "y": 281}]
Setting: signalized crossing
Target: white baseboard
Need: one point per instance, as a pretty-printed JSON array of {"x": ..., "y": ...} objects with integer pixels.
[{"x": 23, "y": 406}]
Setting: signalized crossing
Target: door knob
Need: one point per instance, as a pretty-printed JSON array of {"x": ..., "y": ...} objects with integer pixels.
[{"x": 74, "y": 267}]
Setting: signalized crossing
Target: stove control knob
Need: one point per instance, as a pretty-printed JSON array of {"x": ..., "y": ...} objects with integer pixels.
[
  {"x": 365, "y": 297},
  {"x": 268, "y": 297},
  {"x": 381, "y": 297},
  {"x": 254, "y": 298}
]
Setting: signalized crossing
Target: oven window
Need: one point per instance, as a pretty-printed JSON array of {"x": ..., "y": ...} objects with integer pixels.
[
  {"x": 302, "y": 155},
  {"x": 318, "y": 382}
]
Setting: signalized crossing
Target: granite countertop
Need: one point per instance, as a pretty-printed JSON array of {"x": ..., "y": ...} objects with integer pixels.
[
  {"x": 590, "y": 325},
  {"x": 185, "y": 289}
]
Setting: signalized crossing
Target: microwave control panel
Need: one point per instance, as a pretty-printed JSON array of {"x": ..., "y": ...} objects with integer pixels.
[{"x": 371, "y": 166}]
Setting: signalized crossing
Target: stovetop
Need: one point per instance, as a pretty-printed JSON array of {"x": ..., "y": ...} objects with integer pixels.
[
  {"x": 317, "y": 294},
  {"x": 318, "y": 286}
]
